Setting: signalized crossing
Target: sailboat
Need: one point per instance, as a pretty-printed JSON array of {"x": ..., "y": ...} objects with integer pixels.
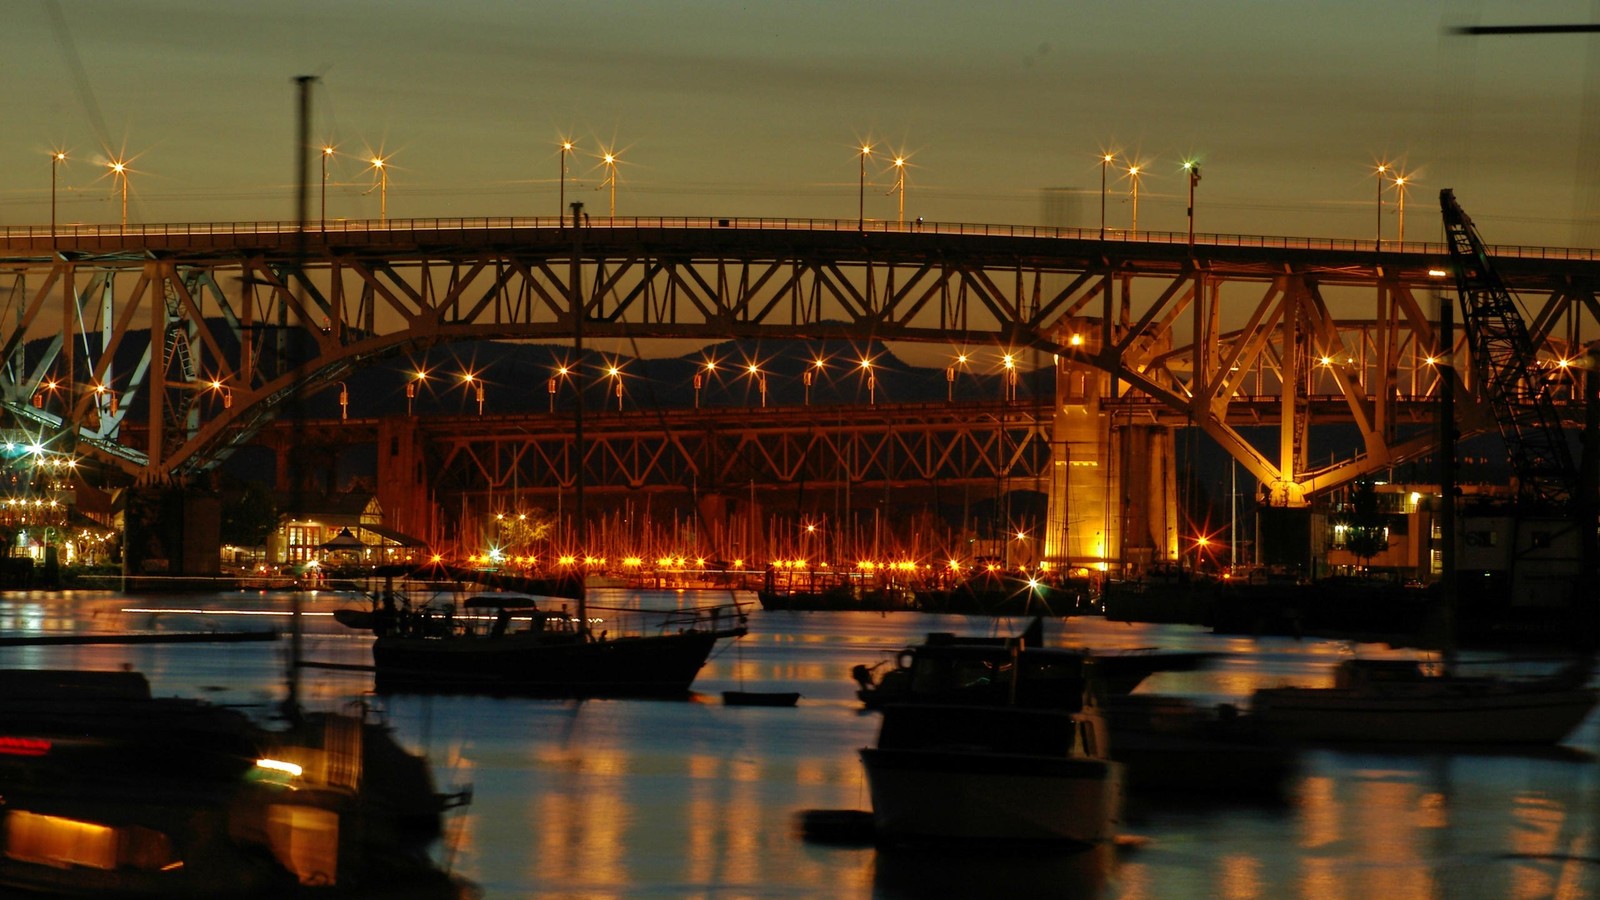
[
  {"x": 508, "y": 643},
  {"x": 1407, "y": 702}
]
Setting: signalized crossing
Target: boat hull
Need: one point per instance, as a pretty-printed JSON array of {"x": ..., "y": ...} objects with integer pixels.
[
  {"x": 1528, "y": 717},
  {"x": 934, "y": 795},
  {"x": 536, "y": 664}
]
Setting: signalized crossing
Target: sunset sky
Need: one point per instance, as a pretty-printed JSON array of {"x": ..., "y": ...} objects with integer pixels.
[{"x": 758, "y": 109}]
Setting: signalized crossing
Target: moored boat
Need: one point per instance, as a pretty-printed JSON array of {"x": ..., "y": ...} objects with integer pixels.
[
  {"x": 110, "y": 792},
  {"x": 992, "y": 773},
  {"x": 507, "y": 644},
  {"x": 948, "y": 668},
  {"x": 1400, "y": 702},
  {"x": 1174, "y": 745}
]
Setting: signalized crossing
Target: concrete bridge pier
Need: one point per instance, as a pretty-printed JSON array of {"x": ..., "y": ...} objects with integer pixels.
[{"x": 1113, "y": 484}]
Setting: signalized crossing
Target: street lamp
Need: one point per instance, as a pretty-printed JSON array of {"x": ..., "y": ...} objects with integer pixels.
[
  {"x": 760, "y": 380},
  {"x": 1105, "y": 160},
  {"x": 1194, "y": 178},
  {"x": 610, "y": 161},
  {"x": 467, "y": 378},
  {"x": 950, "y": 377},
  {"x": 381, "y": 165},
  {"x": 861, "y": 200},
  {"x": 1383, "y": 168},
  {"x": 1133, "y": 175},
  {"x": 615, "y": 374},
  {"x": 327, "y": 154},
  {"x": 417, "y": 378},
  {"x": 817, "y": 366},
  {"x": 344, "y": 402},
  {"x": 900, "y": 187},
  {"x": 562, "y": 372},
  {"x": 872, "y": 382},
  {"x": 561, "y": 207},
  {"x": 119, "y": 171},
  {"x": 1400, "y": 187},
  {"x": 699, "y": 377},
  {"x": 1008, "y": 362},
  {"x": 56, "y": 159}
]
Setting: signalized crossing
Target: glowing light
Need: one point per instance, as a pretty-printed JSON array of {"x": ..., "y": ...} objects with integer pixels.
[
  {"x": 1077, "y": 340},
  {"x": 278, "y": 765}
]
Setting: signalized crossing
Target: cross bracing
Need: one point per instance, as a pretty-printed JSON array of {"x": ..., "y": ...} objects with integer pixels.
[{"x": 161, "y": 350}]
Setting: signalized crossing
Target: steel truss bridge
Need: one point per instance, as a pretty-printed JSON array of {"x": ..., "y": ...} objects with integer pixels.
[{"x": 156, "y": 351}]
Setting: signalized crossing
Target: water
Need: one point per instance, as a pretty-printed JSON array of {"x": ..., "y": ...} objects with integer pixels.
[{"x": 693, "y": 799}]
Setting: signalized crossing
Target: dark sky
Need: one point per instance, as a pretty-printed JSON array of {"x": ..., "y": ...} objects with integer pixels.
[{"x": 756, "y": 108}]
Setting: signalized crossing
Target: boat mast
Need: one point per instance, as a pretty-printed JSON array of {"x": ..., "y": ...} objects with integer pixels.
[
  {"x": 1447, "y": 476},
  {"x": 574, "y": 284},
  {"x": 302, "y": 148}
]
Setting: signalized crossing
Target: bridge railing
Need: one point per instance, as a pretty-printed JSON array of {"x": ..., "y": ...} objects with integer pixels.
[{"x": 71, "y": 236}]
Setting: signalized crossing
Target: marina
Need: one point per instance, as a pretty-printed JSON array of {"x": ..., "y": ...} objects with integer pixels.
[{"x": 674, "y": 798}]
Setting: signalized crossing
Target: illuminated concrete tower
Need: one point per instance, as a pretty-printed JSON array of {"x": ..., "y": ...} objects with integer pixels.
[{"x": 1113, "y": 487}]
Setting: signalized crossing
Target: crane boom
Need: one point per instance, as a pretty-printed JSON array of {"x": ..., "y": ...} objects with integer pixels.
[{"x": 1507, "y": 371}]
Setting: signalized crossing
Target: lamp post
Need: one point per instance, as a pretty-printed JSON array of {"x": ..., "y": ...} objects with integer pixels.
[
  {"x": 900, "y": 188},
  {"x": 473, "y": 381},
  {"x": 700, "y": 377},
  {"x": 344, "y": 402},
  {"x": 1133, "y": 175},
  {"x": 561, "y": 373},
  {"x": 1009, "y": 388},
  {"x": 382, "y": 166},
  {"x": 119, "y": 171},
  {"x": 872, "y": 382},
  {"x": 56, "y": 159},
  {"x": 1105, "y": 161},
  {"x": 861, "y": 199},
  {"x": 817, "y": 367},
  {"x": 1383, "y": 168},
  {"x": 610, "y": 160},
  {"x": 615, "y": 374},
  {"x": 417, "y": 378},
  {"x": 327, "y": 154},
  {"x": 760, "y": 381},
  {"x": 1194, "y": 178},
  {"x": 561, "y": 207},
  {"x": 1400, "y": 187},
  {"x": 950, "y": 377}
]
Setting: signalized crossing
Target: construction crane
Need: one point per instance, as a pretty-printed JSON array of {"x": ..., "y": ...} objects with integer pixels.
[{"x": 1508, "y": 373}]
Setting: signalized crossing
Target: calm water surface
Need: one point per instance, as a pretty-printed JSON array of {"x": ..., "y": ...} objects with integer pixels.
[{"x": 693, "y": 799}]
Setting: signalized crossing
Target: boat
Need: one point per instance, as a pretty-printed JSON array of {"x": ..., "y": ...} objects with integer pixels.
[
  {"x": 1175, "y": 745},
  {"x": 995, "y": 593},
  {"x": 513, "y": 643},
  {"x": 956, "y": 668},
  {"x": 1386, "y": 701},
  {"x": 760, "y": 698},
  {"x": 109, "y": 791},
  {"x": 815, "y": 591},
  {"x": 993, "y": 772}
]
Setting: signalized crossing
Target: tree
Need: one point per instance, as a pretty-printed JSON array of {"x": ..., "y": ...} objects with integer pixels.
[
  {"x": 1366, "y": 533},
  {"x": 249, "y": 516}
]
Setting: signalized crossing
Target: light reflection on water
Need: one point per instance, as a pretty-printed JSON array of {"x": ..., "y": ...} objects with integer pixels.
[{"x": 694, "y": 799}]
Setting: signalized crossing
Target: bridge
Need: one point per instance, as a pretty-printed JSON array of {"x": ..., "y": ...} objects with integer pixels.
[{"x": 151, "y": 353}]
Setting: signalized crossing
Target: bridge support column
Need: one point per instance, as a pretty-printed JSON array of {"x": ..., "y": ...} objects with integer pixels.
[
  {"x": 1113, "y": 484},
  {"x": 403, "y": 491}
]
